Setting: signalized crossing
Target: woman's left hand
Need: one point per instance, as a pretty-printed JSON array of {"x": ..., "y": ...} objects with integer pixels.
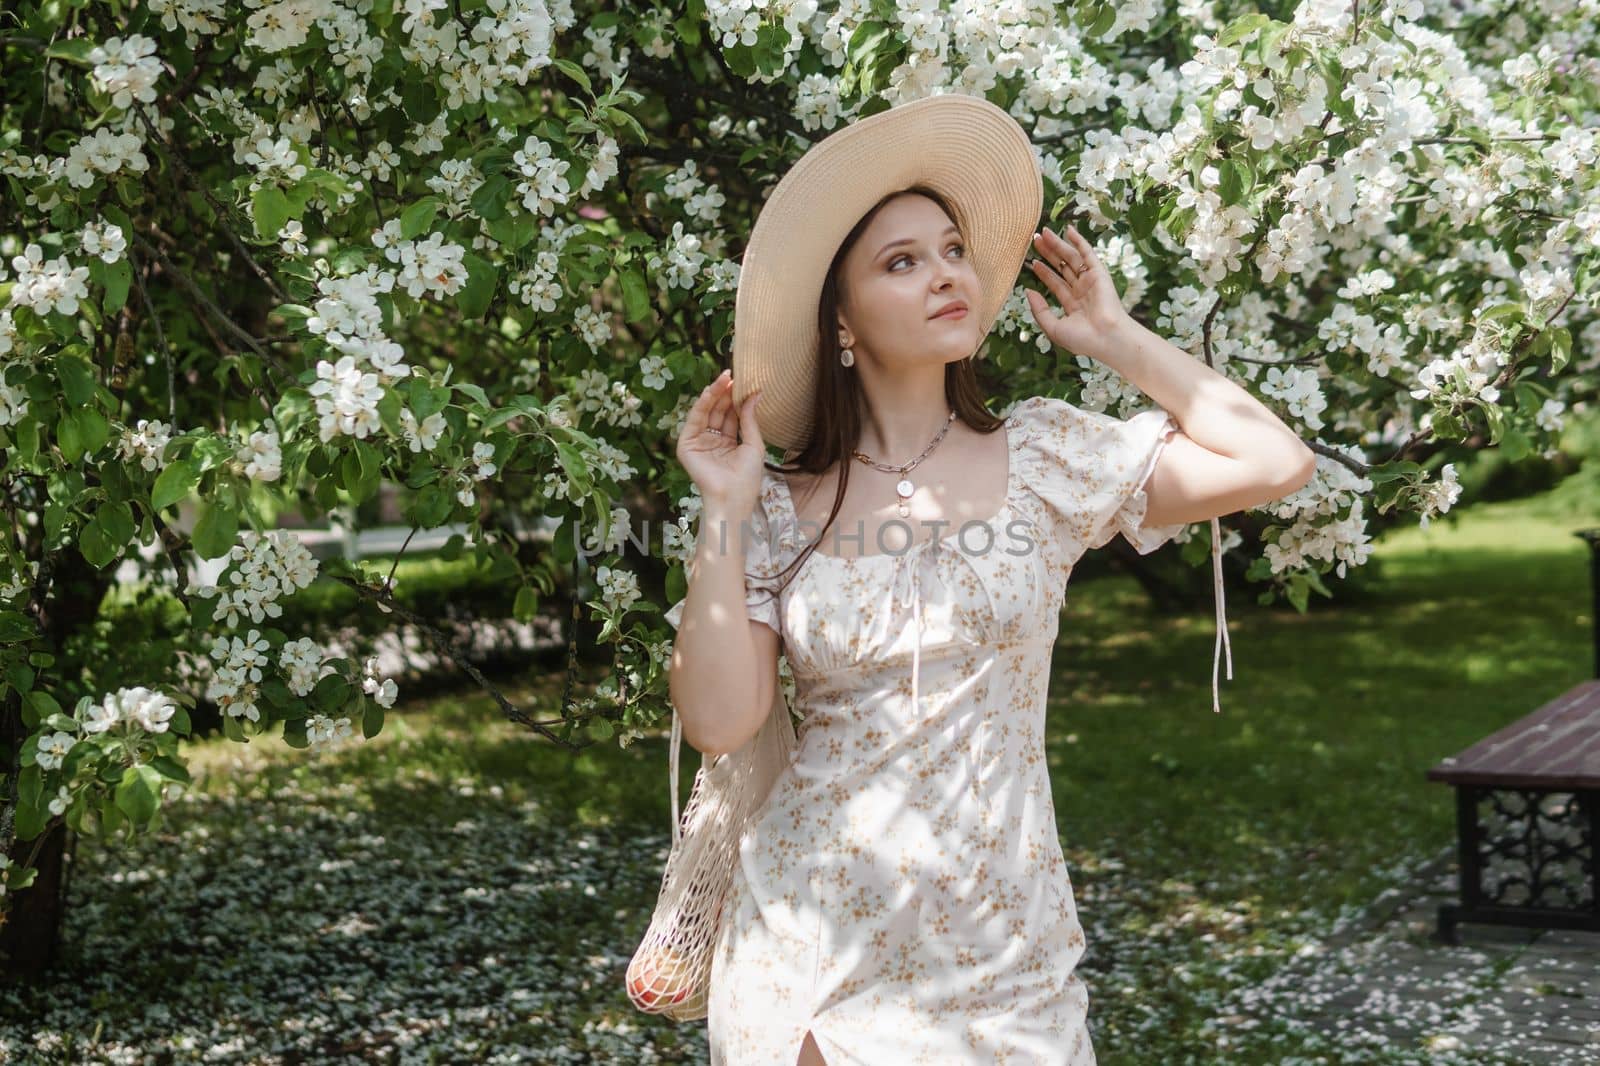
[{"x": 1090, "y": 307}]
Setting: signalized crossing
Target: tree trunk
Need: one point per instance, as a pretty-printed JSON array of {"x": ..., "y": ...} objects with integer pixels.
[
  {"x": 30, "y": 933},
  {"x": 31, "y": 930}
]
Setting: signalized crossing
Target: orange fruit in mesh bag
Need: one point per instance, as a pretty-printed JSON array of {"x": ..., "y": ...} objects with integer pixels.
[{"x": 657, "y": 979}]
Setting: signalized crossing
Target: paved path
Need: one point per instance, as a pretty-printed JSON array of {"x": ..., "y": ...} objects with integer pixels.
[{"x": 1502, "y": 995}]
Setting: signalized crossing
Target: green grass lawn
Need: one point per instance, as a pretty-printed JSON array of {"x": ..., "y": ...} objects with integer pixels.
[{"x": 457, "y": 890}]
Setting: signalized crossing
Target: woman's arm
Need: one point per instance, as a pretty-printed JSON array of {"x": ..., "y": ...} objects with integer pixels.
[
  {"x": 724, "y": 664},
  {"x": 1233, "y": 453}
]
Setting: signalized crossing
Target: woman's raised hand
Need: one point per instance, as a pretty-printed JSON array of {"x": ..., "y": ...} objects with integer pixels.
[
  {"x": 1090, "y": 306},
  {"x": 726, "y": 469}
]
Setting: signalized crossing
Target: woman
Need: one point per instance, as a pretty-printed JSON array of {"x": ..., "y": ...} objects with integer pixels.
[{"x": 901, "y": 896}]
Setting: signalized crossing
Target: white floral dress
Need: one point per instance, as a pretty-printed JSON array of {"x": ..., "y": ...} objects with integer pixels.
[{"x": 902, "y": 894}]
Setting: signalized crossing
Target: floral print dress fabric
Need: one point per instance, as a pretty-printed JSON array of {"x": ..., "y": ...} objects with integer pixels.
[{"x": 902, "y": 894}]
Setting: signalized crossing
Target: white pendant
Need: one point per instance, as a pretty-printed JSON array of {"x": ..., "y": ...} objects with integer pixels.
[{"x": 904, "y": 488}]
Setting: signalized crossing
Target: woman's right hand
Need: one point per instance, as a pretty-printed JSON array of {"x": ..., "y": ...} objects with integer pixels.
[{"x": 726, "y": 470}]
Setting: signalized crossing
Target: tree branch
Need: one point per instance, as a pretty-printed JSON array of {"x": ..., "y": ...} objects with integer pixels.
[
  {"x": 160, "y": 144},
  {"x": 267, "y": 358},
  {"x": 161, "y": 338},
  {"x": 447, "y": 647}
]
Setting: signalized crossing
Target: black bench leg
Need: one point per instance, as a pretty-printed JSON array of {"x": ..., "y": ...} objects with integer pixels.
[{"x": 1445, "y": 931}]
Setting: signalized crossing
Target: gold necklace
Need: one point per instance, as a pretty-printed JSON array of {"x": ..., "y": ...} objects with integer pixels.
[{"x": 904, "y": 488}]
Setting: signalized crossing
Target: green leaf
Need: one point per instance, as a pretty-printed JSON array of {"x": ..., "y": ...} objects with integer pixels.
[
  {"x": 77, "y": 379},
  {"x": 93, "y": 429},
  {"x": 30, "y": 818},
  {"x": 474, "y": 297},
  {"x": 170, "y": 768},
  {"x": 1102, "y": 22},
  {"x": 433, "y": 505},
  {"x": 30, "y": 785},
  {"x": 489, "y": 201},
  {"x": 174, "y": 483},
  {"x": 271, "y": 209},
  {"x": 139, "y": 793},
  {"x": 15, "y": 627},
  {"x": 74, "y": 51},
  {"x": 417, "y": 95},
  {"x": 512, "y": 231},
  {"x": 1560, "y": 348},
  {"x": 601, "y": 728},
  {"x": 117, "y": 278},
  {"x": 1235, "y": 181},
  {"x": 576, "y": 468},
  {"x": 361, "y": 470},
  {"x": 575, "y": 72},
  {"x": 418, "y": 217},
  {"x": 1143, "y": 214},
  {"x": 37, "y": 706},
  {"x": 20, "y": 678},
  {"x": 69, "y": 438},
  {"x": 331, "y": 693},
  {"x": 216, "y": 531},
  {"x": 1504, "y": 310},
  {"x": 117, "y": 520},
  {"x": 526, "y": 604},
  {"x": 635, "y": 296},
  {"x": 25, "y": 440},
  {"x": 1516, "y": 445},
  {"x": 1495, "y": 415},
  {"x": 1242, "y": 27},
  {"x": 96, "y": 545},
  {"x": 616, "y": 116},
  {"x": 1392, "y": 471},
  {"x": 372, "y": 720}
]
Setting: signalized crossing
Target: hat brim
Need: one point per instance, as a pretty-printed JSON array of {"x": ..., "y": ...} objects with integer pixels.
[{"x": 965, "y": 147}]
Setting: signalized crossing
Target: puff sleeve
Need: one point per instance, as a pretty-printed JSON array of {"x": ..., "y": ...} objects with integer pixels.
[
  {"x": 758, "y": 536},
  {"x": 1092, "y": 470},
  {"x": 1127, "y": 451}
]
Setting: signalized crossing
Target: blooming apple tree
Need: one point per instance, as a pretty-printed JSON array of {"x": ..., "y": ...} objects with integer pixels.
[{"x": 281, "y": 253}]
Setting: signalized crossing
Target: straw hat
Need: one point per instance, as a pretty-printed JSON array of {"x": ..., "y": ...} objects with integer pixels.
[{"x": 965, "y": 147}]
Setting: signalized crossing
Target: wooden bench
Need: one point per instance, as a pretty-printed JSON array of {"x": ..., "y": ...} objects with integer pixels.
[{"x": 1527, "y": 805}]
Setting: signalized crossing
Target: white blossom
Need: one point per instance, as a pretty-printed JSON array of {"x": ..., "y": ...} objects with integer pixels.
[
  {"x": 618, "y": 588},
  {"x": 47, "y": 285},
  {"x": 292, "y": 238},
  {"x": 276, "y": 158},
  {"x": 347, "y": 399},
  {"x": 301, "y": 661},
  {"x": 544, "y": 185},
  {"x": 147, "y": 442},
  {"x": 127, "y": 69},
  {"x": 421, "y": 436},
  {"x": 262, "y": 455},
  {"x": 323, "y": 732},
  {"x": 382, "y": 690},
  {"x": 138, "y": 708},
  {"x": 1438, "y": 497},
  {"x": 104, "y": 240},
  {"x": 266, "y": 568},
  {"x": 102, "y": 152},
  {"x": 53, "y": 749}
]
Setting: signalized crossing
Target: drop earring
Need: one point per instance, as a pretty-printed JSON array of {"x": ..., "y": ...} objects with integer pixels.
[{"x": 847, "y": 358}]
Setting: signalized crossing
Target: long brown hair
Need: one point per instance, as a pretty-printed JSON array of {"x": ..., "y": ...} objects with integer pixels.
[{"x": 838, "y": 401}]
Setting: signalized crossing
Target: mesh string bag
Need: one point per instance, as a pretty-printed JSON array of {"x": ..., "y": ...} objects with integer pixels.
[{"x": 670, "y": 972}]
